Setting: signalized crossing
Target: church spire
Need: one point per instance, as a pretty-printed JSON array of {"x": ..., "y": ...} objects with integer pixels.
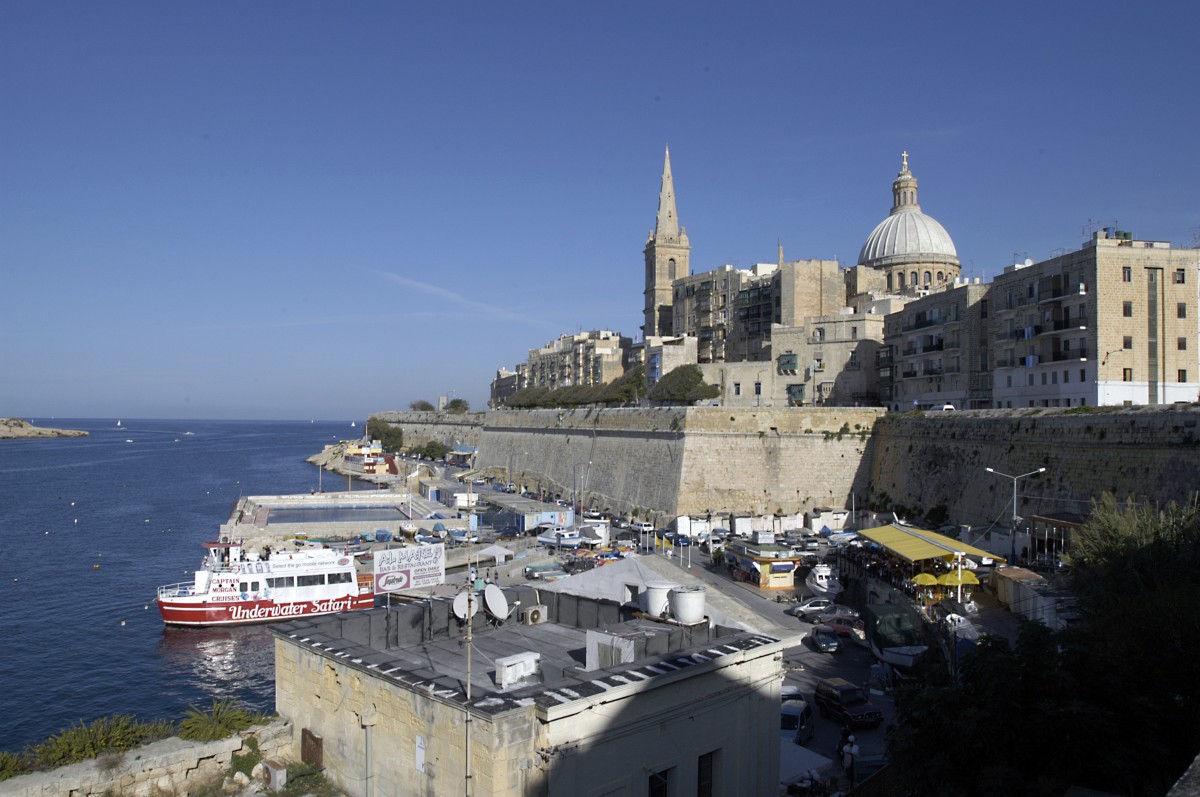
[
  {"x": 904, "y": 188},
  {"x": 667, "y": 227}
]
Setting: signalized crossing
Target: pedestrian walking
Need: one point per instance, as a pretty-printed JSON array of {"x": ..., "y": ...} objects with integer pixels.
[{"x": 849, "y": 754}]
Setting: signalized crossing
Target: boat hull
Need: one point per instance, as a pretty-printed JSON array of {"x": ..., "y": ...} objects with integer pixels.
[{"x": 211, "y": 613}]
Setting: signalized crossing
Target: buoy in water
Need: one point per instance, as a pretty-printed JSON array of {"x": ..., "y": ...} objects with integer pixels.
[
  {"x": 95, "y": 567},
  {"x": 122, "y": 622}
]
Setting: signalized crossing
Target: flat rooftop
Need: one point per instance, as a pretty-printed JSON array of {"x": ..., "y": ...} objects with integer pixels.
[{"x": 421, "y": 645}]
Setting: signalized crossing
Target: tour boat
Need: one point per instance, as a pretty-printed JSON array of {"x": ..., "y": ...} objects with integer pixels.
[
  {"x": 234, "y": 587},
  {"x": 823, "y": 582}
]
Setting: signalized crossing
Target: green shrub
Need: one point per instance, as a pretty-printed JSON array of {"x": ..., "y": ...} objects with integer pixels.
[
  {"x": 105, "y": 735},
  {"x": 224, "y": 719},
  {"x": 12, "y": 765}
]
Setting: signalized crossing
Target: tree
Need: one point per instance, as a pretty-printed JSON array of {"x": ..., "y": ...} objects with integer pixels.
[
  {"x": 684, "y": 385},
  {"x": 458, "y": 406},
  {"x": 1109, "y": 703},
  {"x": 389, "y": 436},
  {"x": 421, "y": 406}
]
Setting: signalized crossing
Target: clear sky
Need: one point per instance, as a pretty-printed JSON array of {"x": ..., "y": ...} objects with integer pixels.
[{"x": 304, "y": 210}]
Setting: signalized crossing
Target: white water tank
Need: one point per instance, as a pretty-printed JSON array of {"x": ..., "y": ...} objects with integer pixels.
[
  {"x": 687, "y": 604},
  {"x": 657, "y": 593}
]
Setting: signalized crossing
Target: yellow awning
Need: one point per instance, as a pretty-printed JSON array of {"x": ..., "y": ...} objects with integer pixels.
[{"x": 913, "y": 544}]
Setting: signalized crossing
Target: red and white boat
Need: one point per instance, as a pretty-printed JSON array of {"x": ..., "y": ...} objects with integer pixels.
[{"x": 233, "y": 587}]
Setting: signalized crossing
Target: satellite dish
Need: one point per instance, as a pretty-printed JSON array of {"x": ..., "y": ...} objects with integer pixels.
[
  {"x": 496, "y": 603},
  {"x": 463, "y": 604}
]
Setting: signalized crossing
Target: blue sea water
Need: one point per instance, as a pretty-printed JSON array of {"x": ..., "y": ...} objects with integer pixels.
[{"x": 90, "y": 527}]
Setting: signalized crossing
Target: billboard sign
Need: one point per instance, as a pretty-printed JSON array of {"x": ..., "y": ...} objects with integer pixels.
[{"x": 400, "y": 569}]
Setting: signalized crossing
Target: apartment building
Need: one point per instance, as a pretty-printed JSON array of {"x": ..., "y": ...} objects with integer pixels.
[{"x": 1112, "y": 323}]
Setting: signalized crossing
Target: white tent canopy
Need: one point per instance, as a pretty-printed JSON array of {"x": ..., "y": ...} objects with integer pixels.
[{"x": 497, "y": 552}]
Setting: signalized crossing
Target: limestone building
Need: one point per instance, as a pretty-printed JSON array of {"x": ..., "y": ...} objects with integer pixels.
[
  {"x": 702, "y": 304},
  {"x": 586, "y": 358},
  {"x": 667, "y": 255},
  {"x": 1112, "y": 323},
  {"x": 832, "y": 360},
  {"x": 938, "y": 351},
  {"x": 787, "y": 295},
  {"x": 503, "y": 386},
  {"x": 552, "y": 695}
]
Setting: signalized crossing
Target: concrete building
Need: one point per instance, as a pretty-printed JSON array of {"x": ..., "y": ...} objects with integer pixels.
[
  {"x": 540, "y": 693},
  {"x": 503, "y": 386},
  {"x": 667, "y": 254},
  {"x": 788, "y": 294},
  {"x": 831, "y": 360},
  {"x": 1113, "y": 323},
  {"x": 702, "y": 304},
  {"x": 938, "y": 351},
  {"x": 663, "y": 355},
  {"x": 587, "y": 358}
]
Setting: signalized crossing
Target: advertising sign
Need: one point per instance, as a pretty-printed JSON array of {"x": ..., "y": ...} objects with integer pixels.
[{"x": 399, "y": 569}]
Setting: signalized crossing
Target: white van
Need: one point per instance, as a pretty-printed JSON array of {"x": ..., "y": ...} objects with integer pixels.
[
  {"x": 795, "y": 721},
  {"x": 642, "y": 526}
]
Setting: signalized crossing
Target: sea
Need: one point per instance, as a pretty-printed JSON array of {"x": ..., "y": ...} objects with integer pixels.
[{"x": 90, "y": 527}]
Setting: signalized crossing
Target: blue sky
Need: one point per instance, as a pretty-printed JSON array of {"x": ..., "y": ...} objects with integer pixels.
[{"x": 320, "y": 210}]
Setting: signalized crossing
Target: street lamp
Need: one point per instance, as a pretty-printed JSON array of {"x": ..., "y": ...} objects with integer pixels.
[{"x": 1015, "y": 519}]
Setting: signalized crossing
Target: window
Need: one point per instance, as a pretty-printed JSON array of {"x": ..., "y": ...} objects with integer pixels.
[
  {"x": 1128, "y": 342},
  {"x": 1126, "y": 274},
  {"x": 660, "y": 783},
  {"x": 310, "y": 581},
  {"x": 1127, "y": 309},
  {"x": 737, "y": 388},
  {"x": 1009, "y": 381},
  {"x": 1181, "y": 310},
  {"x": 1180, "y": 276},
  {"x": 853, "y": 333},
  {"x": 1043, "y": 379},
  {"x": 1082, "y": 374},
  {"x": 1126, "y": 374},
  {"x": 758, "y": 388},
  {"x": 705, "y": 765},
  {"x": 1182, "y": 375},
  {"x": 1181, "y": 344},
  {"x": 340, "y": 578},
  {"x": 1066, "y": 377},
  {"x": 283, "y": 582},
  {"x": 1054, "y": 378}
]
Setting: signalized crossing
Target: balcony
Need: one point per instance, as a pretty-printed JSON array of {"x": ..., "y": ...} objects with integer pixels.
[
  {"x": 908, "y": 374},
  {"x": 1069, "y": 354}
]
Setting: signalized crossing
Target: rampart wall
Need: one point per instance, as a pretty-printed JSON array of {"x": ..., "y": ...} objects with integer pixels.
[
  {"x": 661, "y": 462},
  {"x": 447, "y": 428},
  {"x": 921, "y": 461}
]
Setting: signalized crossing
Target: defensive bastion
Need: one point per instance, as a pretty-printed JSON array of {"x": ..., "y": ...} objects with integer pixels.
[{"x": 663, "y": 462}]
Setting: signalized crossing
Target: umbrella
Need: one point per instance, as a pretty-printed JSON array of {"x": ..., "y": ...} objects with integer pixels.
[
  {"x": 958, "y": 577},
  {"x": 924, "y": 579}
]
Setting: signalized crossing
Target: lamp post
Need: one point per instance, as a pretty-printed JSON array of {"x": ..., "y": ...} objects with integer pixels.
[{"x": 1015, "y": 519}]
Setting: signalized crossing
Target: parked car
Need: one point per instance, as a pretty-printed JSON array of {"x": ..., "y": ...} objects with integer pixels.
[
  {"x": 834, "y": 610},
  {"x": 795, "y": 721},
  {"x": 824, "y": 639},
  {"x": 849, "y": 627},
  {"x": 642, "y": 526},
  {"x": 837, "y": 697},
  {"x": 809, "y": 608}
]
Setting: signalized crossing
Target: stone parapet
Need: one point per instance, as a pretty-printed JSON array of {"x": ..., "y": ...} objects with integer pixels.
[{"x": 171, "y": 766}]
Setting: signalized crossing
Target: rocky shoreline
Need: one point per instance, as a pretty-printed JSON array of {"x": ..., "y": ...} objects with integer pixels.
[{"x": 16, "y": 429}]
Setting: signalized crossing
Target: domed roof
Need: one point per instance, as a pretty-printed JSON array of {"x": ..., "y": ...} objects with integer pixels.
[{"x": 907, "y": 235}]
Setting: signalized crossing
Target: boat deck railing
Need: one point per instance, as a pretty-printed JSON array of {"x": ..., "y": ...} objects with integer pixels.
[{"x": 184, "y": 589}]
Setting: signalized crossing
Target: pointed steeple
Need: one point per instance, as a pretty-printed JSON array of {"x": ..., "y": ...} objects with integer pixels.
[
  {"x": 904, "y": 188},
  {"x": 667, "y": 227}
]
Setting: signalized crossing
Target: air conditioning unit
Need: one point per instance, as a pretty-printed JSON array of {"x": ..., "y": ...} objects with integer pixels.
[
  {"x": 534, "y": 615},
  {"x": 275, "y": 774}
]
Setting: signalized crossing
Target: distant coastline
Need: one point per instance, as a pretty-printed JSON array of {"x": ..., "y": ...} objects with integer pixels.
[{"x": 15, "y": 428}]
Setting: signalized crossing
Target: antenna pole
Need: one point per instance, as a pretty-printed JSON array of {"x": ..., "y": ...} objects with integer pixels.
[{"x": 470, "y": 606}]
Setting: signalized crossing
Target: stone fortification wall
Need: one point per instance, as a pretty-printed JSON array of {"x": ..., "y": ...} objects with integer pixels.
[
  {"x": 921, "y": 461},
  {"x": 172, "y": 766},
  {"x": 447, "y": 428},
  {"x": 664, "y": 462}
]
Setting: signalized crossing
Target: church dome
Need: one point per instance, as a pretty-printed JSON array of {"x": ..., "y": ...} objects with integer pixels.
[{"x": 907, "y": 235}]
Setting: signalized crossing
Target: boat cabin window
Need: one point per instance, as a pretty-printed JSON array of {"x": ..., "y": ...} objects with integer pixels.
[
  {"x": 340, "y": 578},
  {"x": 281, "y": 582},
  {"x": 310, "y": 581},
  {"x": 251, "y": 586}
]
